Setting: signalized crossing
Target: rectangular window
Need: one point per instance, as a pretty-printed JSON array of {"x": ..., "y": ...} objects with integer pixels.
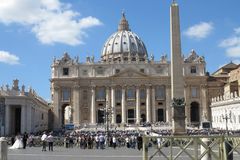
[
  {"x": 194, "y": 92},
  {"x": 142, "y": 94},
  {"x": 160, "y": 92},
  {"x": 118, "y": 94},
  {"x": 101, "y": 93},
  {"x": 193, "y": 69},
  {"x": 131, "y": 93},
  {"x": 66, "y": 94},
  {"x": 65, "y": 71}
]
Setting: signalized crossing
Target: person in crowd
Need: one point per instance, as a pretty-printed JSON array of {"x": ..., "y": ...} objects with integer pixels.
[
  {"x": 44, "y": 141},
  {"x": 114, "y": 142},
  {"x": 139, "y": 142},
  {"x": 24, "y": 140},
  {"x": 12, "y": 140},
  {"x": 30, "y": 141},
  {"x": 18, "y": 144},
  {"x": 97, "y": 141},
  {"x": 50, "y": 140},
  {"x": 102, "y": 141}
]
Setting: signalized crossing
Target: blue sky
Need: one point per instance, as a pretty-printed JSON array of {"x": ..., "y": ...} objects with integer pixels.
[{"x": 33, "y": 32}]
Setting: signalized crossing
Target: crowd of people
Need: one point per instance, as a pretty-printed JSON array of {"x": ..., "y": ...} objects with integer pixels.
[
  {"x": 94, "y": 139},
  {"x": 80, "y": 139}
]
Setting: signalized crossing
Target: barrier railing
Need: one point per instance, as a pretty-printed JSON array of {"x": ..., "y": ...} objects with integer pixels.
[{"x": 191, "y": 147}]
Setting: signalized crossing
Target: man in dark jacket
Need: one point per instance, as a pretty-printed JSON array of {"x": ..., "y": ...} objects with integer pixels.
[{"x": 24, "y": 139}]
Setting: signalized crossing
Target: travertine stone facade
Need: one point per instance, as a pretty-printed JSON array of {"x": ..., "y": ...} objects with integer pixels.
[
  {"x": 226, "y": 103},
  {"x": 22, "y": 111},
  {"x": 131, "y": 85}
]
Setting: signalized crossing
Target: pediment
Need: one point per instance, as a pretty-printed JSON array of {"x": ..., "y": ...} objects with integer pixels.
[{"x": 130, "y": 73}]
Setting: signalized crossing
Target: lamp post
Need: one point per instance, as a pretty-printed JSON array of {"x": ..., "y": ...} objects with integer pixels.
[
  {"x": 226, "y": 117},
  {"x": 228, "y": 142},
  {"x": 107, "y": 116}
]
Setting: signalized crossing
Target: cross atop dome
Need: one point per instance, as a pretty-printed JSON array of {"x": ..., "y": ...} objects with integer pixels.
[{"x": 123, "y": 25}]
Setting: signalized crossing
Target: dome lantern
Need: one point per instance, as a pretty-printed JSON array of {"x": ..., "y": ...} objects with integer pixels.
[{"x": 123, "y": 25}]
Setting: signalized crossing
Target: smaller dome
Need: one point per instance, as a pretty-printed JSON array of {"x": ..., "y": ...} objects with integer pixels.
[{"x": 124, "y": 44}]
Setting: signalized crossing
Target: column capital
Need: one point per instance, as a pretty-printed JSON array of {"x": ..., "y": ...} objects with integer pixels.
[
  {"x": 76, "y": 86},
  {"x": 203, "y": 86},
  {"x": 138, "y": 86},
  {"x": 56, "y": 87},
  {"x": 113, "y": 85},
  {"x": 124, "y": 86},
  {"x": 148, "y": 85},
  {"x": 107, "y": 87}
]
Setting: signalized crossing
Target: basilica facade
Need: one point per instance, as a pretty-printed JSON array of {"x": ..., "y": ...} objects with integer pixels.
[{"x": 127, "y": 84}]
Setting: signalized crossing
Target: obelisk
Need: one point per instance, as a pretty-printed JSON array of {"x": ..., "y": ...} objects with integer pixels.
[{"x": 177, "y": 81}]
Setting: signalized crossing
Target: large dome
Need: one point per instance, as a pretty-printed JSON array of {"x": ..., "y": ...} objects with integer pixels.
[{"x": 124, "y": 45}]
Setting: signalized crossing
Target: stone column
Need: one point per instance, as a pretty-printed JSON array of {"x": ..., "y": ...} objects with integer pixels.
[
  {"x": 113, "y": 104},
  {"x": 204, "y": 108},
  {"x": 153, "y": 105},
  {"x": 138, "y": 105},
  {"x": 56, "y": 107},
  {"x": 7, "y": 120},
  {"x": 76, "y": 105},
  {"x": 168, "y": 104},
  {"x": 123, "y": 105},
  {"x": 29, "y": 119},
  {"x": 187, "y": 98},
  {"x": 108, "y": 98},
  {"x": 93, "y": 106},
  {"x": 23, "y": 119},
  {"x": 148, "y": 109}
]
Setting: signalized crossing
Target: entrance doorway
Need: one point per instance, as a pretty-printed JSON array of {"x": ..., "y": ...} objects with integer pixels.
[
  {"x": 17, "y": 120},
  {"x": 131, "y": 117},
  {"x": 64, "y": 114},
  {"x": 118, "y": 118},
  {"x": 195, "y": 112},
  {"x": 143, "y": 117},
  {"x": 100, "y": 116},
  {"x": 160, "y": 115}
]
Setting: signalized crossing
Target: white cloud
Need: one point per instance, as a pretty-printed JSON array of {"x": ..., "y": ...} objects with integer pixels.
[
  {"x": 237, "y": 30},
  {"x": 232, "y": 44},
  {"x": 50, "y": 20},
  {"x": 199, "y": 31},
  {"x": 8, "y": 58},
  {"x": 236, "y": 61}
]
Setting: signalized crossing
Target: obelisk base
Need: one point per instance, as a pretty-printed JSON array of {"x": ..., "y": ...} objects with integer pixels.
[{"x": 178, "y": 110}]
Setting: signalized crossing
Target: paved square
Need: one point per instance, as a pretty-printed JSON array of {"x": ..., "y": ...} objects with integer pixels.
[{"x": 61, "y": 153}]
